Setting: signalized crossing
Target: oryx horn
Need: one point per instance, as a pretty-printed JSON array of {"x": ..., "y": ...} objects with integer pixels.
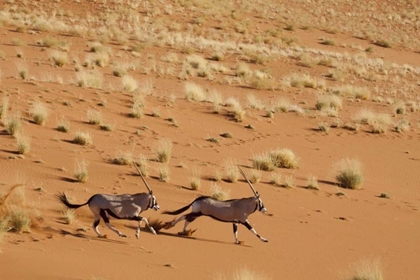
[
  {"x": 249, "y": 183},
  {"x": 144, "y": 180}
]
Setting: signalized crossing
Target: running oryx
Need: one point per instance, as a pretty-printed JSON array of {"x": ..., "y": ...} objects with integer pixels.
[
  {"x": 234, "y": 211},
  {"x": 123, "y": 206}
]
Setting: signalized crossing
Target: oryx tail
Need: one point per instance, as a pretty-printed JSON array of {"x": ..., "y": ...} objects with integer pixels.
[
  {"x": 63, "y": 198},
  {"x": 180, "y": 210}
]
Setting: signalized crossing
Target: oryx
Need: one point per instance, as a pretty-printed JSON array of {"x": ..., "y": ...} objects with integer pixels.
[
  {"x": 123, "y": 206},
  {"x": 235, "y": 211}
]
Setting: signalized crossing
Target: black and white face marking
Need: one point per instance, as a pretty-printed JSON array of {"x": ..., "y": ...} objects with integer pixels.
[
  {"x": 153, "y": 203},
  {"x": 261, "y": 206}
]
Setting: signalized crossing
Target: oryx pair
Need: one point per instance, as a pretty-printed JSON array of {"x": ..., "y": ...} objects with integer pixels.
[{"x": 129, "y": 207}]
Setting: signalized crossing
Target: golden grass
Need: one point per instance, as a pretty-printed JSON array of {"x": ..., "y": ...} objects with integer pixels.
[
  {"x": 81, "y": 171},
  {"x": 143, "y": 164},
  {"x": 69, "y": 216},
  {"x": 164, "y": 150},
  {"x": 231, "y": 171},
  {"x": 194, "y": 92},
  {"x": 164, "y": 173},
  {"x": 195, "y": 179},
  {"x": 242, "y": 273},
  {"x": 263, "y": 162},
  {"x": 122, "y": 158},
  {"x": 13, "y": 124},
  {"x": 218, "y": 193},
  {"x": 284, "y": 158},
  {"x": 83, "y": 138},
  {"x": 94, "y": 116},
  {"x": 63, "y": 125},
  {"x": 349, "y": 173},
  {"x": 23, "y": 144},
  {"x": 39, "y": 113}
]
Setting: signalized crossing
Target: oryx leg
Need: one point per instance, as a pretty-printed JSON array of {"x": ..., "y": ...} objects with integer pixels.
[
  {"x": 109, "y": 225},
  {"x": 235, "y": 232},
  {"x": 96, "y": 224},
  {"x": 140, "y": 220},
  {"x": 248, "y": 226},
  {"x": 188, "y": 219}
]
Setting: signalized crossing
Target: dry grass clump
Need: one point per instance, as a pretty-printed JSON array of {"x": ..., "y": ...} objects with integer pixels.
[
  {"x": 19, "y": 219},
  {"x": 13, "y": 213},
  {"x": 129, "y": 83},
  {"x": 164, "y": 150},
  {"x": 399, "y": 107},
  {"x": 362, "y": 93},
  {"x": 349, "y": 173},
  {"x": 122, "y": 158},
  {"x": 324, "y": 102},
  {"x": 284, "y": 158},
  {"x": 263, "y": 162},
  {"x": 256, "y": 176},
  {"x": 94, "y": 116},
  {"x": 231, "y": 171},
  {"x": 137, "y": 109},
  {"x": 365, "y": 269},
  {"x": 54, "y": 43},
  {"x": 143, "y": 164},
  {"x": 164, "y": 173},
  {"x": 219, "y": 194},
  {"x": 195, "y": 180},
  {"x": 289, "y": 182},
  {"x": 59, "y": 58},
  {"x": 63, "y": 125},
  {"x": 254, "y": 102},
  {"x": 23, "y": 144},
  {"x": 82, "y": 138},
  {"x": 324, "y": 127},
  {"x": 89, "y": 79},
  {"x": 23, "y": 71},
  {"x": 241, "y": 274},
  {"x": 378, "y": 121},
  {"x": 312, "y": 182},
  {"x": 81, "y": 171},
  {"x": 107, "y": 126},
  {"x": 4, "y": 107},
  {"x": 402, "y": 126},
  {"x": 69, "y": 216},
  {"x": 39, "y": 113},
  {"x": 194, "y": 92},
  {"x": 13, "y": 124},
  {"x": 243, "y": 70},
  {"x": 235, "y": 109},
  {"x": 304, "y": 80},
  {"x": 282, "y": 105}
]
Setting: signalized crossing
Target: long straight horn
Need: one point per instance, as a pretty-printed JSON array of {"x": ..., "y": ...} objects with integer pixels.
[
  {"x": 144, "y": 180},
  {"x": 249, "y": 183}
]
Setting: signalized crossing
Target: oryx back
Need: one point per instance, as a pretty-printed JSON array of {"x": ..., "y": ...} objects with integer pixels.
[{"x": 123, "y": 206}]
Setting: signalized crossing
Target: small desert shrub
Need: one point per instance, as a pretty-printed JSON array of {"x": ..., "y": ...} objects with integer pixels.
[
  {"x": 305, "y": 80},
  {"x": 143, "y": 164},
  {"x": 195, "y": 180},
  {"x": 399, "y": 107},
  {"x": 107, "y": 126},
  {"x": 137, "y": 109},
  {"x": 59, "y": 58},
  {"x": 289, "y": 181},
  {"x": 39, "y": 113},
  {"x": 51, "y": 42},
  {"x": 256, "y": 176},
  {"x": 194, "y": 92},
  {"x": 276, "y": 179},
  {"x": 82, "y": 138},
  {"x": 263, "y": 162},
  {"x": 254, "y": 102},
  {"x": 217, "y": 176},
  {"x": 381, "y": 123},
  {"x": 324, "y": 127},
  {"x": 23, "y": 71},
  {"x": 92, "y": 79},
  {"x": 69, "y": 216},
  {"x": 329, "y": 101},
  {"x": 129, "y": 83},
  {"x": 13, "y": 124},
  {"x": 243, "y": 70},
  {"x": 19, "y": 219},
  {"x": 164, "y": 150},
  {"x": 80, "y": 171},
  {"x": 284, "y": 158},
  {"x": 122, "y": 158},
  {"x": 241, "y": 274},
  {"x": 23, "y": 144},
  {"x": 235, "y": 109},
  {"x": 282, "y": 105},
  {"x": 164, "y": 173},
  {"x": 349, "y": 173},
  {"x": 63, "y": 125},
  {"x": 231, "y": 171},
  {"x": 119, "y": 70},
  {"x": 312, "y": 183},
  {"x": 365, "y": 269},
  {"x": 402, "y": 126},
  {"x": 94, "y": 116},
  {"x": 4, "y": 107},
  {"x": 219, "y": 194}
]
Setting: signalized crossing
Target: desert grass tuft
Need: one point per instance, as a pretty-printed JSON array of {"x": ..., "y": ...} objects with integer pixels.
[
  {"x": 349, "y": 173},
  {"x": 312, "y": 182},
  {"x": 81, "y": 171},
  {"x": 218, "y": 193},
  {"x": 122, "y": 158},
  {"x": 19, "y": 219},
  {"x": 284, "y": 158},
  {"x": 402, "y": 126},
  {"x": 63, "y": 125},
  {"x": 195, "y": 179},
  {"x": 143, "y": 164},
  {"x": 23, "y": 144},
  {"x": 39, "y": 113},
  {"x": 4, "y": 107},
  {"x": 83, "y": 138},
  {"x": 231, "y": 171},
  {"x": 194, "y": 92},
  {"x": 164, "y": 150},
  {"x": 263, "y": 162},
  {"x": 366, "y": 269},
  {"x": 242, "y": 273},
  {"x": 69, "y": 216},
  {"x": 256, "y": 176},
  {"x": 94, "y": 116},
  {"x": 13, "y": 124},
  {"x": 164, "y": 173}
]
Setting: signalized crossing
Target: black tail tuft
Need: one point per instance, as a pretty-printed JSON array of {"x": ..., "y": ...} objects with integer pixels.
[
  {"x": 63, "y": 199},
  {"x": 176, "y": 212}
]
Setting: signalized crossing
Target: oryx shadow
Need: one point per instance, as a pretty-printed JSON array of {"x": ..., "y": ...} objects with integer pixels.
[
  {"x": 175, "y": 235},
  {"x": 84, "y": 236}
]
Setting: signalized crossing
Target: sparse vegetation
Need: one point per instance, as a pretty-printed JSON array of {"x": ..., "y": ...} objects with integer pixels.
[
  {"x": 164, "y": 150},
  {"x": 13, "y": 124},
  {"x": 122, "y": 158},
  {"x": 218, "y": 193},
  {"x": 195, "y": 180},
  {"x": 143, "y": 164},
  {"x": 263, "y": 162},
  {"x": 23, "y": 144},
  {"x": 83, "y": 138},
  {"x": 39, "y": 113},
  {"x": 349, "y": 173},
  {"x": 81, "y": 171},
  {"x": 312, "y": 183},
  {"x": 63, "y": 125},
  {"x": 231, "y": 171},
  {"x": 69, "y": 216},
  {"x": 164, "y": 173},
  {"x": 94, "y": 116},
  {"x": 284, "y": 158}
]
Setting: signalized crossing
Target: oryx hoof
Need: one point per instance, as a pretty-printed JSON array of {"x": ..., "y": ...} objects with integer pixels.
[
  {"x": 240, "y": 242},
  {"x": 264, "y": 240},
  {"x": 122, "y": 235},
  {"x": 103, "y": 236},
  {"x": 137, "y": 235},
  {"x": 153, "y": 231}
]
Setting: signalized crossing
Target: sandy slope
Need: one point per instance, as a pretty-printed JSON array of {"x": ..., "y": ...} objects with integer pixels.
[{"x": 312, "y": 234}]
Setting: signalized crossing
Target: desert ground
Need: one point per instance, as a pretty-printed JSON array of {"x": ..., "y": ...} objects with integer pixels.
[{"x": 189, "y": 90}]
